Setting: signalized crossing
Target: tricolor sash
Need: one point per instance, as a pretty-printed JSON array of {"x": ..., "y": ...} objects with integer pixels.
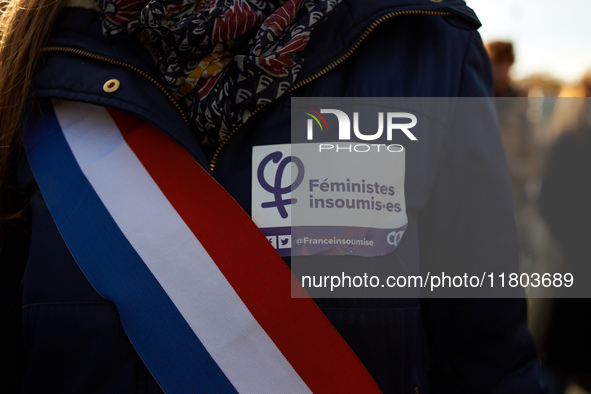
[{"x": 203, "y": 297}]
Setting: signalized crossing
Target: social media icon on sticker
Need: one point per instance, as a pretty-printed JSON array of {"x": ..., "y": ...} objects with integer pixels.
[
  {"x": 272, "y": 240},
  {"x": 285, "y": 241}
]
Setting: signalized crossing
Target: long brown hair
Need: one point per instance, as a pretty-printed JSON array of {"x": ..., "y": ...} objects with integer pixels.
[{"x": 24, "y": 27}]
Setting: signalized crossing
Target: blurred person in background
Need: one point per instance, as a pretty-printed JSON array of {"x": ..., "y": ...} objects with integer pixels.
[
  {"x": 565, "y": 205},
  {"x": 568, "y": 112},
  {"x": 519, "y": 141},
  {"x": 502, "y": 57}
]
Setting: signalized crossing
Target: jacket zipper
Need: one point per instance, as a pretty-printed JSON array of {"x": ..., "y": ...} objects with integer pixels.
[
  {"x": 297, "y": 85},
  {"x": 328, "y": 67},
  {"x": 89, "y": 55}
]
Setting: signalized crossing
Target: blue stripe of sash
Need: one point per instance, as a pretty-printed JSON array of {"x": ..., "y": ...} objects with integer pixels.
[{"x": 164, "y": 340}]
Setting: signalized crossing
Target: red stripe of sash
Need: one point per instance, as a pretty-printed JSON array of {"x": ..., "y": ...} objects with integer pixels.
[{"x": 252, "y": 266}]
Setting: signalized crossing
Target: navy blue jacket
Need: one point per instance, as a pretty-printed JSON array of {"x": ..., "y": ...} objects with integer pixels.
[{"x": 457, "y": 192}]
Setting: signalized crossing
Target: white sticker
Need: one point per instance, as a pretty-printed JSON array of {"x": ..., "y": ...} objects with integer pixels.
[{"x": 330, "y": 198}]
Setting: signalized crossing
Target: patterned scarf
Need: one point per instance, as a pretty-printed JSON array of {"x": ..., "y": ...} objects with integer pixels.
[{"x": 221, "y": 58}]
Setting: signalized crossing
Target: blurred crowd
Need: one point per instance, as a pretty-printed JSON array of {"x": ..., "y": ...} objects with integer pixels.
[{"x": 546, "y": 131}]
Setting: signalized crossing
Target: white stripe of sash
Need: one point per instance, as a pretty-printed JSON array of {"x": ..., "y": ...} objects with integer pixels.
[{"x": 207, "y": 301}]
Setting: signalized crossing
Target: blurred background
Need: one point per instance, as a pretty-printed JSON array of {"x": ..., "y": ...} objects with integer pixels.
[
  {"x": 551, "y": 38},
  {"x": 541, "y": 56}
]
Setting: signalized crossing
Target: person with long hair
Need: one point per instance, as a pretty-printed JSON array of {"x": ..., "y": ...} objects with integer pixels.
[{"x": 135, "y": 135}]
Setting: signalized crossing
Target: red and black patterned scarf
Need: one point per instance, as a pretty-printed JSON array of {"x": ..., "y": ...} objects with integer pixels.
[{"x": 221, "y": 58}]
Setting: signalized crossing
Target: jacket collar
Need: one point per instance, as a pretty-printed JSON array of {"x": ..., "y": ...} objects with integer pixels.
[
  {"x": 353, "y": 20},
  {"x": 350, "y": 21}
]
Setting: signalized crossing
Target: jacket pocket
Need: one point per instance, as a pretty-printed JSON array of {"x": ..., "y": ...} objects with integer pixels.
[{"x": 72, "y": 348}]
